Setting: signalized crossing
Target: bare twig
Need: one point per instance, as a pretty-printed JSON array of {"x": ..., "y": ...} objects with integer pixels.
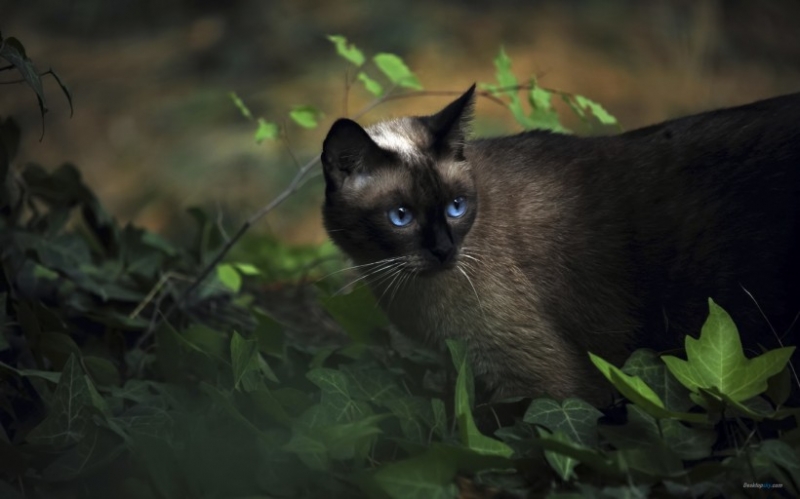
[
  {"x": 346, "y": 92},
  {"x": 303, "y": 175},
  {"x": 288, "y": 145}
]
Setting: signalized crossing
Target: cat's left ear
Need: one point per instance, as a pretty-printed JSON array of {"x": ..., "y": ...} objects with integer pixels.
[{"x": 450, "y": 126}]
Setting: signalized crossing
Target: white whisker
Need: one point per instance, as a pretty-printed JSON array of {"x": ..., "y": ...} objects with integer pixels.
[
  {"x": 388, "y": 266},
  {"x": 397, "y": 273},
  {"x": 386, "y": 260},
  {"x": 480, "y": 305}
]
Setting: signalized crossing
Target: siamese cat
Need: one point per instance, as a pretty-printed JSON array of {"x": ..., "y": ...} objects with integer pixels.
[{"x": 539, "y": 247}]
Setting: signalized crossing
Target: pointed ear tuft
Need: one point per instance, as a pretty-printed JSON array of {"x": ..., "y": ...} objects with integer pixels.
[
  {"x": 450, "y": 126},
  {"x": 347, "y": 148}
]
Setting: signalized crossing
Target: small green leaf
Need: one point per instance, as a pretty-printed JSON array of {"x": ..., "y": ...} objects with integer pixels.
[
  {"x": 631, "y": 387},
  {"x": 543, "y": 115},
  {"x": 239, "y": 103},
  {"x": 505, "y": 77},
  {"x": 561, "y": 464},
  {"x": 439, "y": 417},
  {"x": 469, "y": 433},
  {"x": 371, "y": 85},
  {"x": 597, "y": 110},
  {"x": 348, "y": 51},
  {"x": 638, "y": 392},
  {"x": 43, "y": 272},
  {"x": 228, "y": 276},
  {"x": 305, "y": 116},
  {"x": 396, "y": 70},
  {"x": 311, "y": 451},
  {"x": 266, "y": 130},
  {"x": 50, "y": 376},
  {"x": 540, "y": 98},
  {"x": 247, "y": 269}
]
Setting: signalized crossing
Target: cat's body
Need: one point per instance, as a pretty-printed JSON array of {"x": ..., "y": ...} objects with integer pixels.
[{"x": 573, "y": 244}]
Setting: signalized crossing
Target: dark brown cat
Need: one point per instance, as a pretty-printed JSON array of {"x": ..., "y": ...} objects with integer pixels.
[{"x": 538, "y": 247}]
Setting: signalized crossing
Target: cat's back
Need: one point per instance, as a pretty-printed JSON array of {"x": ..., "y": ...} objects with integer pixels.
[{"x": 665, "y": 216}]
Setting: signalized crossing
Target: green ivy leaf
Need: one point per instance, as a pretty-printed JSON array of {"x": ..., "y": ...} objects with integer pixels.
[
  {"x": 371, "y": 85},
  {"x": 648, "y": 366},
  {"x": 376, "y": 386},
  {"x": 229, "y": 276},
  {"x": 74, "y": 404},
  {"x": 310, "y": 450},
  {"x": 305, "y": 116},
  {"x": 98, "y": 448},
  {"x": 347, "y": 51},
  {"x": 574, "y": 418},
  {"x": 716, "y": 360},
  {"x": 396, "y": 70},
  {"x": 642, "y": 429},
  {"x": 414, "y": 415}
]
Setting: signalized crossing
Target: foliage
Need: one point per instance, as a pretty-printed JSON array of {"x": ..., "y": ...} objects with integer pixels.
[
  {"x": 269, "y": 382},
  {"x": 12, "y": 50}
]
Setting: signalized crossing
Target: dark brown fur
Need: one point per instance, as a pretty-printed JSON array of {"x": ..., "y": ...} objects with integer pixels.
[{"x": 575, "y": 244}]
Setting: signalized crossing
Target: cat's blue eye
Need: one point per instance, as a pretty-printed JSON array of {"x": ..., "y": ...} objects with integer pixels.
[
  {"x": 400, "y": 216},
  {"x": 456, "y": 207}
]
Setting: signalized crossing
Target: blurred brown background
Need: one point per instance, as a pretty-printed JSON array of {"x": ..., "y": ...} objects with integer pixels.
[{"x": 155, "y": 132}]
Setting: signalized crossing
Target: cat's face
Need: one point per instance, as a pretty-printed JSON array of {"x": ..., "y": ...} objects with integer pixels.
[{"x": 401, "y": 191}]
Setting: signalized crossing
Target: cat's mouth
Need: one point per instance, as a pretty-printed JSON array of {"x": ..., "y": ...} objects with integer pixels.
[{"x": 431, "y": 267}]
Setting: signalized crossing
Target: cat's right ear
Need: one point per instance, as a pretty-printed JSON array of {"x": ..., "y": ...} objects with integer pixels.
[{"x": 347, "y": 149}]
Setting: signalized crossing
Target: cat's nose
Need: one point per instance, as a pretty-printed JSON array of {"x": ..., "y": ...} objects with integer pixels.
[{"x": 444, "y": 254}]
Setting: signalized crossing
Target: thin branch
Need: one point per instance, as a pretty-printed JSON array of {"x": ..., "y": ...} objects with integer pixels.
[
  {"x": 432, "y": 93},
  {"x": 288, "y": 145},
  {"x": 21, "y": 80},
  {"x": 346, "y": 92},
  {"x": 296, "y": 182}
]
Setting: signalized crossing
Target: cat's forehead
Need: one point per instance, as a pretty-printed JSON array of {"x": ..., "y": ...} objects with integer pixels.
[{"x": 404, "y": 136}]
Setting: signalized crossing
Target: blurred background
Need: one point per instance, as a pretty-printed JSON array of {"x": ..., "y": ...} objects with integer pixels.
[{"x": 155, "y": 131}]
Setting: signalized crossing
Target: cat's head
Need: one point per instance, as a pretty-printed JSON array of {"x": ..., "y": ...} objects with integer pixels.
[{"x": 401, "y": 189}]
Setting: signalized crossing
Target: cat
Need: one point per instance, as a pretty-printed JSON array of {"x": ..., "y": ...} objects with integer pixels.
[{"x": 539, "y": 247}]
